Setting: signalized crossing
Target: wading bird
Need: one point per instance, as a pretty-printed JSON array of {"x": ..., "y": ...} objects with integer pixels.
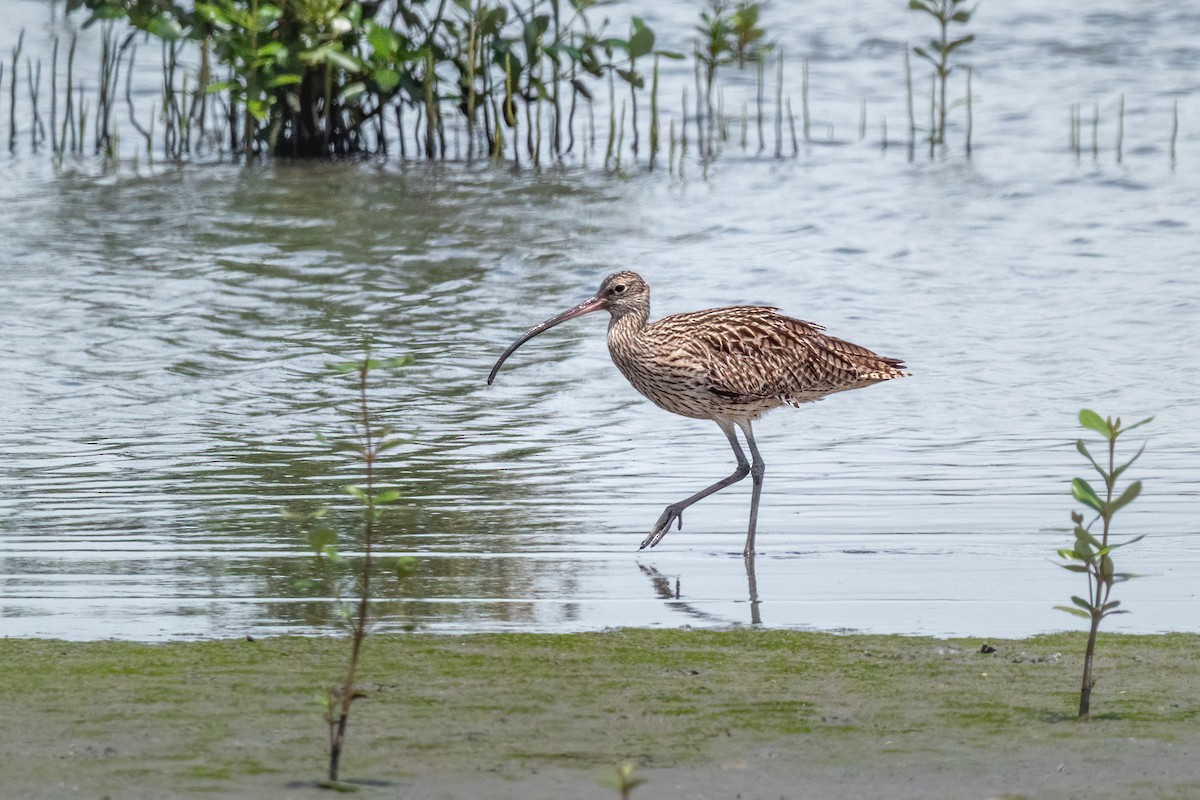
[{"x": 728, "y": 365}]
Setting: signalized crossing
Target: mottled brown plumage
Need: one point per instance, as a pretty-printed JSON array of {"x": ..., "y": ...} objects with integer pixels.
[{"x": 726, "y": 364}]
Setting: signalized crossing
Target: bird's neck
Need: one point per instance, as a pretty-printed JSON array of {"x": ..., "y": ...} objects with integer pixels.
[{"x": 625, "y": 325}]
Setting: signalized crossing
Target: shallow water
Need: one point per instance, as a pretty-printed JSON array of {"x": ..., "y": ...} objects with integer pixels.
[{"x": 167, "y": 332}]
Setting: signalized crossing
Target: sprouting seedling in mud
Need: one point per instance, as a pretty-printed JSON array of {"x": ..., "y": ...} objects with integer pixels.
[
  {"x": 368, "y": 443},
  {"x": 1092, "y": 554}
]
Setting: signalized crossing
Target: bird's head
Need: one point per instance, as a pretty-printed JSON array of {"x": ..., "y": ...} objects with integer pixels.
[
  {"x": 623, "y": 292},
  {"x": 619, "y": 294}
]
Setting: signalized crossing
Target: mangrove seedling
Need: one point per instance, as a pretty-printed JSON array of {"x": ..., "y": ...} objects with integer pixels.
[
  {"x": 748, "y": 35},
  {"x": 1092, "y": 554},
  {"x": 946, "y": 12},
  {"x": 367, "y": 444},
  {"x": 623, "y": 781}
]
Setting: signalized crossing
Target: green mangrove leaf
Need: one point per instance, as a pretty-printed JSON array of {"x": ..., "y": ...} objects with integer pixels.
[
  {"x": 957, "y": 43},
  {"x": 1070, "y": 555},
  {"x": 164, "y": 27},
  {"x": 1137, "y": 538},
  {"x": 1082, "y": 491},
  {"x": 641, "y": 42},
  {"x": 283, "y": 79},
  {"x": 923, "y": 54},
  {"x": 1137, "y": 424},
  {"x": 1082, "y": 534},
  {"x": 257, "y": 109},
  {"x": 383, "y": 40},
  {"x": 1082, "y": 448},
  {"x": 356, "y": 492},
  {"x": 390, "y": 444},
  {"x": 1117, "y": 472},
  {"x": 321, "y": 538},
  {"x": 405, "y": 567},
  {"x": 582, "y": 88},
  {"x": 1074, "y": 567},
  {"x": 212, "y": 15},
  {"x": 1128, "y": 496},
  {"x": 1075, "y": 611},
  {"x": 271, "y": 50},
  {"x": 1090, "y": 419},
  {"x": 1079, "y": 601},
  {"x": 353, "y": 90},
  {"x": 221, "y": 86},
  {"x": 388, "y": 496},
  {"x": 631, "y": 77}
]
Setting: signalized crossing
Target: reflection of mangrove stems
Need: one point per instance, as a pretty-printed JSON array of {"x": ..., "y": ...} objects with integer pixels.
[
  {"x": 1174, "y": 130},
  {"x": 908, "y": 88},
  {"x": 683, "y": 126},
  {"x": 54, "y": 97},
  {"x": 1120, "y": 128},
  {"x": 555, "y": 79},
  {"x": 804, "y": 117},
  {"x": 430, "y": 121},
  {"x": 671, "y": 146},
  {"x": 12, "y": 92},
  {"x": 69, "y": 109},
  {"x": 571, "y": 113},
  {"x": 762, "y": 143},
  {"x": 633, "y": 114},
  {"x": 34, "y": 76},
  {"x": 129, "y": 102},
  {"x": 1095, "y": 131},
  {"x": 970, "y": 112},
  {"x": 471, "y": 56},
  {"x": 654, "y": 113},
  {"x": 621, "y": 135},
  {"x": 779, "y": 105},
  {"x": 933, "y": 137},
  {"x": 792, "y": 128},
  {"x": 510, "y": 113},
  {"x": 612, "y": 119}
]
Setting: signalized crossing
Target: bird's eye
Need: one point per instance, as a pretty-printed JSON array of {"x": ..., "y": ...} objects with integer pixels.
[{"x": 619, "y": 288}]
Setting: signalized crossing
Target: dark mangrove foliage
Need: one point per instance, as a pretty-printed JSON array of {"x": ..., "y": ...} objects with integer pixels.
[{"x": 310, "y": 78}]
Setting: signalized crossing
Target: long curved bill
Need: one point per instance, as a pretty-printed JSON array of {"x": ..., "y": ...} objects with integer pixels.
[{"x": 586, "y": 307}]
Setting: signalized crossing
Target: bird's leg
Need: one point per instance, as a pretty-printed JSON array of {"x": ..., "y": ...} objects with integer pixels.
[
  {"x": 674, "y": 512},
  {"x": 757, "y": 469}
]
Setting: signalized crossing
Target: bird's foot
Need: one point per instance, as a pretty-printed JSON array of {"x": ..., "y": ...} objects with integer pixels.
[{"x": 673, "y": 513}]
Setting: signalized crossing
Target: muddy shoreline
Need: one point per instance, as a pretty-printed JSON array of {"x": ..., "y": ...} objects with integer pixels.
[{"x": 721, "y": 714}]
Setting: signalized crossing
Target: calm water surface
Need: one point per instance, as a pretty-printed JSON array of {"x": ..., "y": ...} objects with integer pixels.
[{"x": 167, "y": 331}]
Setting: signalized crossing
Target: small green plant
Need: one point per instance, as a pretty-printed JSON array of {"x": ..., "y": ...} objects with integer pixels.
[
  {"x": 368, "y": 443},
  {"x": 946, "y": 12},
  {"x": 623, "y": 781},
  {"x": 728, "y": 32},
  {"x": 748, "y": 34},
  {"x": 1092, "y": 555}
]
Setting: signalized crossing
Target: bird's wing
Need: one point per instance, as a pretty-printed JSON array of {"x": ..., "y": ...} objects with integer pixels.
[{"x": 756, "y": 352}]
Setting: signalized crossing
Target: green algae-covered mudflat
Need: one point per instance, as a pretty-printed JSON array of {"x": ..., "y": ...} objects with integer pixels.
[{"x": 735, "y": 713}]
